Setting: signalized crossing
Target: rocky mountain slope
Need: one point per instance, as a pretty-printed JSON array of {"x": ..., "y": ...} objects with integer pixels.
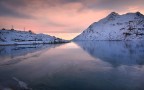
[{"x": 128, "y": 26}]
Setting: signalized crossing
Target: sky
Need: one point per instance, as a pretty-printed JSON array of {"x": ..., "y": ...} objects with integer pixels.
[{"x": 62, "y": 18}]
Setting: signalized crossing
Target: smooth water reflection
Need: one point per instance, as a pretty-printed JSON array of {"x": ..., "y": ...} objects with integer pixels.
[
  {"x": 116, "y": 53},
  {"x": 73, "y": 66}
]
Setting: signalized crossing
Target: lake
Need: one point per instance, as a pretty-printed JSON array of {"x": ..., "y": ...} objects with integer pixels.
[{"x": 84, "y": 65}]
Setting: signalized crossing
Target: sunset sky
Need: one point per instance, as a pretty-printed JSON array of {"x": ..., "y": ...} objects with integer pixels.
[{"x": 62, "y": 18}]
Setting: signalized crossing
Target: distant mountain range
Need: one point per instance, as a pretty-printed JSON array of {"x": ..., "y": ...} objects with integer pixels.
[
  {"x": 26, "y": 37},
  {"x": 128, "y": 26}
]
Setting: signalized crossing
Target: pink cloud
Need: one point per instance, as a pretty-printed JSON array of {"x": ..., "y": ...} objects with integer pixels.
[{"x": 58, "y": 17}]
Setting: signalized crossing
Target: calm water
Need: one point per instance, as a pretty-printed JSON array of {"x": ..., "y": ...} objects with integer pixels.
[{"x": 73, "y": 66}]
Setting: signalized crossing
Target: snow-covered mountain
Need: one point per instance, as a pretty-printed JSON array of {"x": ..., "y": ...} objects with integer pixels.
[
  {"x": 128, "y": 26},
  {"x": 26, "y": 37}
]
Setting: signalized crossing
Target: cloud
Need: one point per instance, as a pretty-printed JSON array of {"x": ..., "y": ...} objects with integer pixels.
[
  {"x": 50, "y": 23},
  {"x": 23, "y": 8},
  {"x": 61, "y": 15},
  {"x": 8, "y": 8},
  {"x": 114, "y": 4}
]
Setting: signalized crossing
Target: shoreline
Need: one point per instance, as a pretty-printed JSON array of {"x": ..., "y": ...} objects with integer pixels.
[{"x": 15, "y": 44}]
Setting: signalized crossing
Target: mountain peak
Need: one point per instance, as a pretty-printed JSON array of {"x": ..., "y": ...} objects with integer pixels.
[
  {"x": 112, "y": 15},
  {"x": 139, "y": 14},
  {"x": 135, "y": 13}
]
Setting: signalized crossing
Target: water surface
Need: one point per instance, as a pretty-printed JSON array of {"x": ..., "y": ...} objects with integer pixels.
[{"x": 92, "y": 65}]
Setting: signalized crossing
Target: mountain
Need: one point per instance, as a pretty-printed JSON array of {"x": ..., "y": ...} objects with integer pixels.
[
  {"x": 128, "y": 26},
  {"x": 26, "y": 37}
]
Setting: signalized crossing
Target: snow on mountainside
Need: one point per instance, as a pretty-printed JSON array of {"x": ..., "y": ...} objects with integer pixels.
[
  {"x": 128, "y": 26},
  {"x": 26, "y": 37}
]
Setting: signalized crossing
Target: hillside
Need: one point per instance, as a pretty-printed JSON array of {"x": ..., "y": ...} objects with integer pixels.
[{"x": 26, "y": 37}]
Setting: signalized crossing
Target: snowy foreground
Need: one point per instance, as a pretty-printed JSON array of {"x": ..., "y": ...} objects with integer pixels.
[
  {"x": 128, "y": 26},
  {"x": 26, "y": 37}
]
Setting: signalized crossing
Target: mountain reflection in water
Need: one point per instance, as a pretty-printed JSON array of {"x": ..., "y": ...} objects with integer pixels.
[
  {"x": 16, "y": 53},
  {"x": 115, "y": 52},
  {"x": 87, "y": 65}
]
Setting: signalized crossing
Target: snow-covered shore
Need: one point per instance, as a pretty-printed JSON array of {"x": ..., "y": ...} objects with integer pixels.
[{"x": 14, "y": 37}]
